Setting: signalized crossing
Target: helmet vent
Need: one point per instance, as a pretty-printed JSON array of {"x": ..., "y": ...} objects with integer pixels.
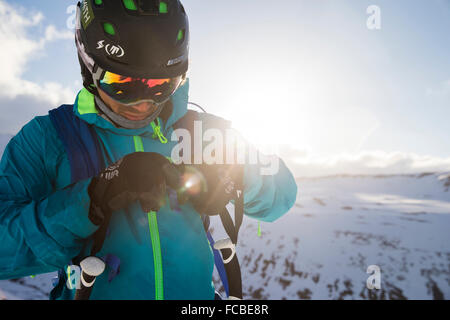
[
  {"x": 109, "y": 29},
  {"x": 163, "y": 7},
  {"x": 180, "y": 35},
  {"x": 129, "y": 5},
  {"x": 153, "y": 7}
]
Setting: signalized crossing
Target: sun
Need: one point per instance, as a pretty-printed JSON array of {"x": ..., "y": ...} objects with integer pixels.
[{"x": 270, "y": 124}]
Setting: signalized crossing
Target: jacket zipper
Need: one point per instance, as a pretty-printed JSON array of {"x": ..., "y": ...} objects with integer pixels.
[
  {"x": 157, "y": 257},
  {"x": 154, "y": 234}
]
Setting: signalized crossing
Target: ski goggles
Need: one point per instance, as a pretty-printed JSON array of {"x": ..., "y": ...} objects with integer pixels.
[{"x": 130, "y": 91}]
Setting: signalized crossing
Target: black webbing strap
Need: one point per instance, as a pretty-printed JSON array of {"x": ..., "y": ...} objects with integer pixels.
[
  {"x": 233, "y": 268},
  {"x": 100, "y": 235},
  {"x": 98, "y": 239},
  {"x": 231, "y": 228}
]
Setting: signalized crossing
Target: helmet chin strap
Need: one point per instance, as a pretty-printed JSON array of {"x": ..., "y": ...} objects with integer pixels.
[{"x": 124, "y": 122}]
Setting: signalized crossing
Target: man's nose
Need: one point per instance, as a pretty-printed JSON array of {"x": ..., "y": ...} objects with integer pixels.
[{"x": 142, "y": 107}]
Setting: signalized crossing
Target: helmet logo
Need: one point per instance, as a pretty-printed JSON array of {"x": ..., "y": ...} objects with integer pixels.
[
  {"x": 111, "y": 49},
  {"x": 175, "y": 61},
  {"x": 87, "y": 14},
  {"x": 100, "y": 44}
]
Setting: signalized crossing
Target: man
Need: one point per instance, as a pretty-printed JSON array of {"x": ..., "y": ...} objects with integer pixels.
[{"x": 58, "y": 197}]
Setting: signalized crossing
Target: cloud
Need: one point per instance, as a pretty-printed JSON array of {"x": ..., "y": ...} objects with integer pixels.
[
  {"x": 53, "y": 34},
  {"x": 21, "y": 99},
  {"x": 365, "y": 163}
]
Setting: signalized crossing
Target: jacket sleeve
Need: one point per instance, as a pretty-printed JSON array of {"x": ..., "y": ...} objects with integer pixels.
[
  {"x": 41, "y": 229},
  {"x": 270, "y": 189}
]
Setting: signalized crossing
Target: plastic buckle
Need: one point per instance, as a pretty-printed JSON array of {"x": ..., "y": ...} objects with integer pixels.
[{"x": 226, "y": 244}]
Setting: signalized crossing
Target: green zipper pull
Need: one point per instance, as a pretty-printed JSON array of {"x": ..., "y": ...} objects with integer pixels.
[
  {"x": 157, "y": 132},
  {"x": 259, "y": 228}
]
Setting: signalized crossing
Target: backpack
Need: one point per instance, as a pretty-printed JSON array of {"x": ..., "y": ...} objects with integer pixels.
[{"x": 86, "y": 160}]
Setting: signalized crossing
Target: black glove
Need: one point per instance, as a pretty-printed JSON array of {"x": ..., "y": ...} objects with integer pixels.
[
  {"x": 218, "y": 186},
  {"x": 140, "y": 176}
]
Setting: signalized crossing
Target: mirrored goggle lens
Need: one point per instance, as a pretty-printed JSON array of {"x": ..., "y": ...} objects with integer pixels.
[{"x": 128, "y": 90}]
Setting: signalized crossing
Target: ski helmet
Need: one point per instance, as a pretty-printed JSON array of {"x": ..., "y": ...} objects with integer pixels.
[{"x": 134, "y": 50}]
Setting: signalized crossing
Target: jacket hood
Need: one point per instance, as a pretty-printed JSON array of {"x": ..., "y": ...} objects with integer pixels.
[{"x": 85, "y": 108}]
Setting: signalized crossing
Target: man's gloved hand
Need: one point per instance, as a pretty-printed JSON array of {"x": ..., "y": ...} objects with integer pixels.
[
  {"x": 217, "y": 186},
  {"x": 140, "y": 176}
]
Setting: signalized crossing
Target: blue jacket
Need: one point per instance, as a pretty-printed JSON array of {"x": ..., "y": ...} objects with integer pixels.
[{"x": 44, "y": 218}]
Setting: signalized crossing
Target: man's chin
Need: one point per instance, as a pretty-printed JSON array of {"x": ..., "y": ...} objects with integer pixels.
[{"x": 133, "y": 117}]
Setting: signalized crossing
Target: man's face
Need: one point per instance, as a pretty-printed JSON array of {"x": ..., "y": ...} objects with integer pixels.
[{"x": 136, "y": 112}]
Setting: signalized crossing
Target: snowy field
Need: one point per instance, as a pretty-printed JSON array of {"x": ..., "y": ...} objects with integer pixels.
[{"x": 339, "y": 226}]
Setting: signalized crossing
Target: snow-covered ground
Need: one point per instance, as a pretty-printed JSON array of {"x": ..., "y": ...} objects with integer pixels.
[
  {"x": 339, "y": 226},
  {"x": 37, "y": 288}
]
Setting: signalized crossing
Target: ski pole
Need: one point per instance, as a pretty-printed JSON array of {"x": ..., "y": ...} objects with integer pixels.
[{"x": 91, "y": 268}]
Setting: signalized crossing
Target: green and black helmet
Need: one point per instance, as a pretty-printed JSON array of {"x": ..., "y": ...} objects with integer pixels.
[
  {"x": 138, "y": 38},
  {"x": 134, "y": 50}
]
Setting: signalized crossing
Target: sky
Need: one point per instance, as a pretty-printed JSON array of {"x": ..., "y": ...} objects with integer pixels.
[{"x": 308, "y": 79}]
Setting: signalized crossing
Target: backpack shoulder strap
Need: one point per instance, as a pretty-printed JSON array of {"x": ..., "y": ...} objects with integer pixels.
[
  {"x": 230, "y": 272},
  {"x": 80, "y": 143},
  {"x": 83, "y": 150}
]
